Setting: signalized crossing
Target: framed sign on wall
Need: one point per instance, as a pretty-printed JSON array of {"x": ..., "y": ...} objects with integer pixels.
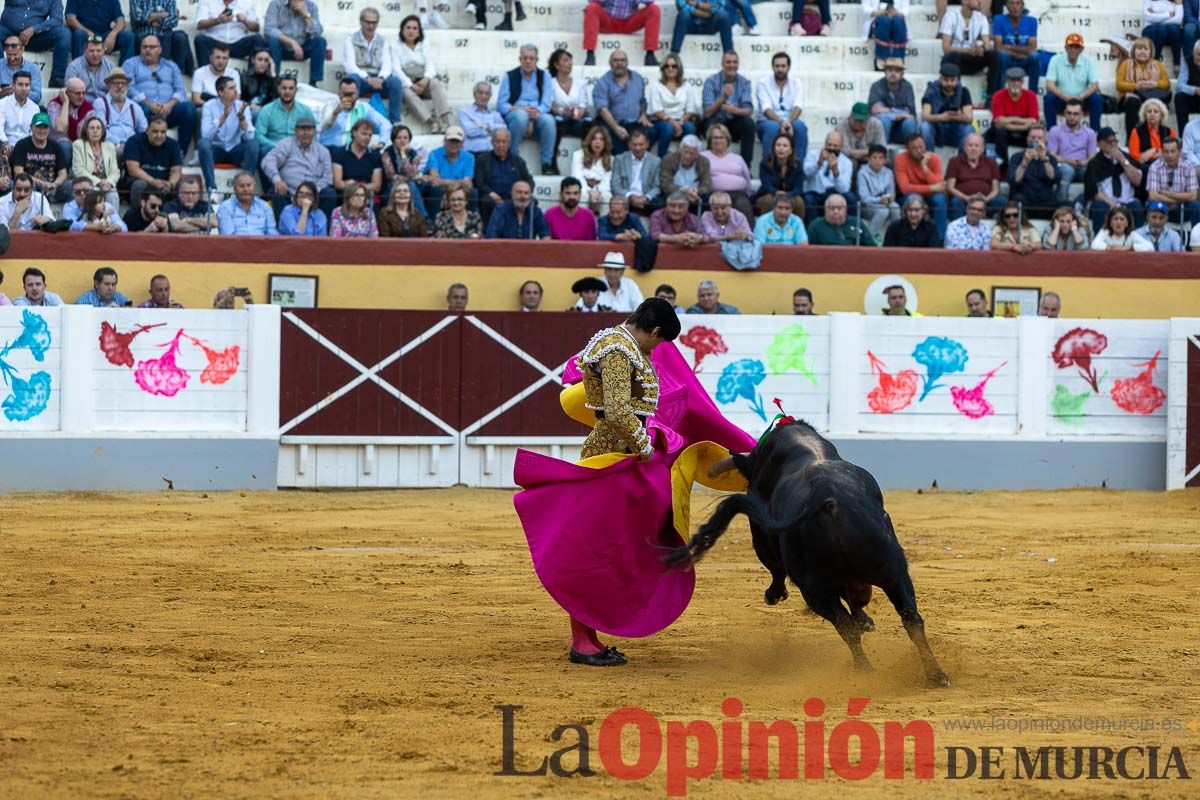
[
  {"x": 292, "y": 291},
  {"x": 1016, "y": 301}
]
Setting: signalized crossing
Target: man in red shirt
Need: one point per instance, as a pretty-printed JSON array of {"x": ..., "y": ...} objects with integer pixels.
[
  {"x": 919, "y": 172},
  {"x": 972, "y": 173},
  {"x": 1014, "y": 110}
]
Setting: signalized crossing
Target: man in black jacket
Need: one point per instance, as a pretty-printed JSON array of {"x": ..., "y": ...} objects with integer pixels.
[
  {"x": 1111, "y": 179},
  {"x": 914, "y": 229},
  {"x": 497, "y": 171}
]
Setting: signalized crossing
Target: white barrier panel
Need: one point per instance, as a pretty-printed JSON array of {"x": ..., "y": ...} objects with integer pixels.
[{"x": 31, "y": 364}]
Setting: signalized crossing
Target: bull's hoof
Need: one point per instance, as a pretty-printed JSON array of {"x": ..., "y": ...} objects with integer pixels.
[
  {"x": 772, "y": 597},
  {"x": 864, "y": 622},
  {"x": 938, "y": 680}
]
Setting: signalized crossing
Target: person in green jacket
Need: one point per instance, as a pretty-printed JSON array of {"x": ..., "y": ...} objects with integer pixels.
[{"x": 835, "y": 229}]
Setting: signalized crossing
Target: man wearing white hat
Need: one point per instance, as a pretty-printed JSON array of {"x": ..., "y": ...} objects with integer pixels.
[{"x": 620, "y": 293}]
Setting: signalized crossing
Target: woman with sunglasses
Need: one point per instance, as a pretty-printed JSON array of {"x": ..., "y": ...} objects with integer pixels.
[
  {"x": 1013, "y": 233},
  {"x": 672, "y": 105},
  {"x": 1066, "y": 231}
]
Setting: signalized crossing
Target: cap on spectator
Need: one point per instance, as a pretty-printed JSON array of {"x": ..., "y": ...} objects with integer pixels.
[
  {"x": 1158, "y": 205},
  {"x": 897, "y": 63},
  {"x": 40, "y": 118},
  {"x": 1074, "y": 39},
  {"x": 613, "y": 259},
  {"x": 117, "y": 74},
  {"x": 1104, "y": 134},
  {"x": 306, "y": 119},
  {"x": 587, "y": 285},
  {"x": 455, "y": 134},
  {"x": 949, "y": 70},
  {"x": 1015, "y": 74},
  {"x": 860, "y": 111}
]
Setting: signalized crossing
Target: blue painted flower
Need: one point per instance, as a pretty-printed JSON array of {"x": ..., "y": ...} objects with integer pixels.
[
  {"x": 28, "y": 398},
  {"x": 35, "y": 337},
  {"x": 940, "y": 356},
  {"x": 741, "y": 379}
]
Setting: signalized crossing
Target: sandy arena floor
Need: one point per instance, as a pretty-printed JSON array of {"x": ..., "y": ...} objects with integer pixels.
[{"x": 346, "y": 645}]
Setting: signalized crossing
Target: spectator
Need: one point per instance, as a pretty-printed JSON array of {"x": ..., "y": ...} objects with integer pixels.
[
  {"x": 827, "y": 172},
  {"x": 157, "y": 86},
  {"x": 244, "y": 214},
  {"x": 780, "y": 171},
  {"x": 294, "y": 33},
  {"x": 423, "y": 92},
  {"x": 92, "y": 67},
  {"x": 479, "y": 122},
  {"x": 1033, "y": 177},
  {"x": 966, "y": 41},
  {"x": 781, "y": 225},
  {"x": 589, "y": 290},
  {"x": 259, "y": 84},
  {"x": 884, "y": 21},
  {"x": 592, "y": 166},
  {"x": 151, "y": 159},
  {"x": 189, "y": 212},
  {"x": 625, "y": 17},
  {"x": 229, "y": 22},
  {"x": 102, "y": 21},
  {"x": 1162, "y": 237},
  {"x": 722, "y": 222},
  {"x": 703, "y": 17},
  {"x": 81, "y": 187},
  {"x": 1145, "y": 141},
  {"x": 457, "y": 221},
  {"x": 672, "y": 105},
  {"x": 1066, "y": 231},
  {"x": 147, "y": 216},
  {"x": 620, "y": 100},
  {"x": 893, "y": 103},
  {"x": 98, "y": 216},
  {"x": 802, "y": 303},
  {"x": 1141, "y": 78},
  {"x": 226, "y": 133},
  {"x": 915, "y": 229},
  {"x": 1013, "y": 233},
  {"x": 43, "y": 21},
  {"x": 457, "y": 297},
  {"x": 1111, "y": 179},
  {"x": 160, "y": 18},
  {"x": 636, "y": 174},
  {"x": 204, "y": 81},
  {"x": 300, "y": 158},
  {"x": 567, "y": 221},
  {"x": 569, "y": 99},
  {"x": 302, "y": 217},
  {"x": 36, "y": 294},
  {"x": 518, "y": 217},
  {"x": 530, "y": 295},
  {"x": 671, "y": 224},
  {"x": 1187, "y": 101},
  {"x": 946, "y": 110},
  {"x": 42, "y": 160},
  {"x": 448, "y": 167},
  {"x": 1050, "y": 306},
  {"x": 619, "y": 225},
  {"x": 780, "y": 104},
  {"x": 729, "y": 172},
  {"x": 507, "y": 23},
  {"x": 226, "y": 299},
  {"x": 977, "y": 304},
  {"x": 277, "y": 119},
  {"x": 1164, "y": 26},
  {"x": 93, "y": 156},
  {"x": 727, "y": 101},
  {"x": 123, "y": 117},
  {"x": 338, "y": 118},
  {"x": 1014, "y": 112},
  {"x": 859, "y": 132},
  {"x": 496, "y": 172},
  {"x": 969, "y": 232},
  {"x": 835, "y": 228},
  {"x": 619, "y": 292},
  {"x": 919, "y": 172},
  {"x": 103, "y": 293},
  {"x": 367, "y": 60},
  {"x": 971, "y": 173},
  {"x": 354, "y": 218},
  {"x": 525, "y": 98},
  {"x": 1015, "y": 38},
  {"x": 400, "y": 218},
  {"x": 357, "y": 163},
  {"x": 684, "y": 170},
  {"x": 402, "y": 162},
  {"x": 1073, "y": 145},
  {"x": 14, "y": 62},
  {"x": 708, "y": 301},
  {"x": 18, "y": 108},
  {"x": 1118, "y": 233},
  {"x": 1172, "y": 181},
  {"x": 877, "y": 191},
  {"x": 1072, "y": 76},
  {"x": 160, "y": 294},
  {"x": 667, "y": 292},
  {"x": 66, "y": 111}
]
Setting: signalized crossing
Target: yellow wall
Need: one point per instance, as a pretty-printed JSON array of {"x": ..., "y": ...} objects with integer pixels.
[{"x": 495, "y": 288}]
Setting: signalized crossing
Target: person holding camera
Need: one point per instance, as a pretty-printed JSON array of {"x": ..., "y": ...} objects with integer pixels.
[
  {"x": 230, "y": 22},
  {"x": 1033, "y": 177}
]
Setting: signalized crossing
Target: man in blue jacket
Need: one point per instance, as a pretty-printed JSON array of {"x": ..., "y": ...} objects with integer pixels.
[{"x": 518, "y": 218}]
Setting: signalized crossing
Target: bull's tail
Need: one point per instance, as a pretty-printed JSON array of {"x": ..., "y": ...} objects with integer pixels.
[{"x": 710, "y": 531}]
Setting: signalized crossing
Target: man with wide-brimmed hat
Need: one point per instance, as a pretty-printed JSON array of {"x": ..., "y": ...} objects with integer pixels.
[
  {"x": 122, "y": 117},
  {"x": 589, "y": 290},
  {"x": 894, "y": 103},
  {"x": 620, "y": 293}
]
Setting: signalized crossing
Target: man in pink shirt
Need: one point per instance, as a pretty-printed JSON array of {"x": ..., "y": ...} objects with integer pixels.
[
  {"x": 569, "y": 221},
  {"x": 919, "y": 171}
]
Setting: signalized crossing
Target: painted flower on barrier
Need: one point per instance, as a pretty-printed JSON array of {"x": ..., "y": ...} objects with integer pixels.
[
  {"x": 221, "y": 365},
  {"x": 35, "y": 336},
  {"x": 741, "y": 379},
  {"x": 788, "y": 352},
  {"x": 115, "y": 344},
  {"x": 1139, "y": 395},
  {"x": 704, "y": 342},
  {"x": 894, "y": 392},
  {"x": 1067, "y": 407},
  {"x": 940, "y": 356},
  {"x": 1076, "y": 348},
  {"x": 27, "y": 398},
  {"x": 162, "y": 375},
  {"x": 971, "y": 402}
]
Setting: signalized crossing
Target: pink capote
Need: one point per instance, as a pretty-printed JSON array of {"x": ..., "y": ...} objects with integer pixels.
[{"x": 596, "y": 535}]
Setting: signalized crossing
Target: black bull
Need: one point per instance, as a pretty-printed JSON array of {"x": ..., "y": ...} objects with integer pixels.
[{"x": 820, "y": 521}]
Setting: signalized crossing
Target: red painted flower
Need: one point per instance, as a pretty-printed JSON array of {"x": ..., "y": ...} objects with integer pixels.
[
  {"x": 1077, "y": 346},
  {"x": 162, "y": 375},
  {"x": 221, "y": 365},
  {"x": 115, "y": 344},
  {"x": 705, "y": 342},
  {"x": 1139, "y": 395},
  {"x": 893, "y": 393}
]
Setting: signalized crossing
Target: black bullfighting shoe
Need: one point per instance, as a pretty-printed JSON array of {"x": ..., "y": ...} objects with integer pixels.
[{"x": 605, "y": 658}]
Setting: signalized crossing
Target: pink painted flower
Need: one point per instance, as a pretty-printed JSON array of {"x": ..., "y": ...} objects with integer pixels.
[
  {"x": 162, "y": 375},
  {"x": 971, "y": 402},
  {"x": 221, "y": 365},
  {"x": 1139, "y": 395},
  {"x": 115, "y": 344},
  {"x": 894, "y": 393}
]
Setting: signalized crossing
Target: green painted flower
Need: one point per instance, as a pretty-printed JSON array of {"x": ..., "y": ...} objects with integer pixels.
[
  {"x": 788, "y": 352},
  {"x": 1068, "y": 407}
]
